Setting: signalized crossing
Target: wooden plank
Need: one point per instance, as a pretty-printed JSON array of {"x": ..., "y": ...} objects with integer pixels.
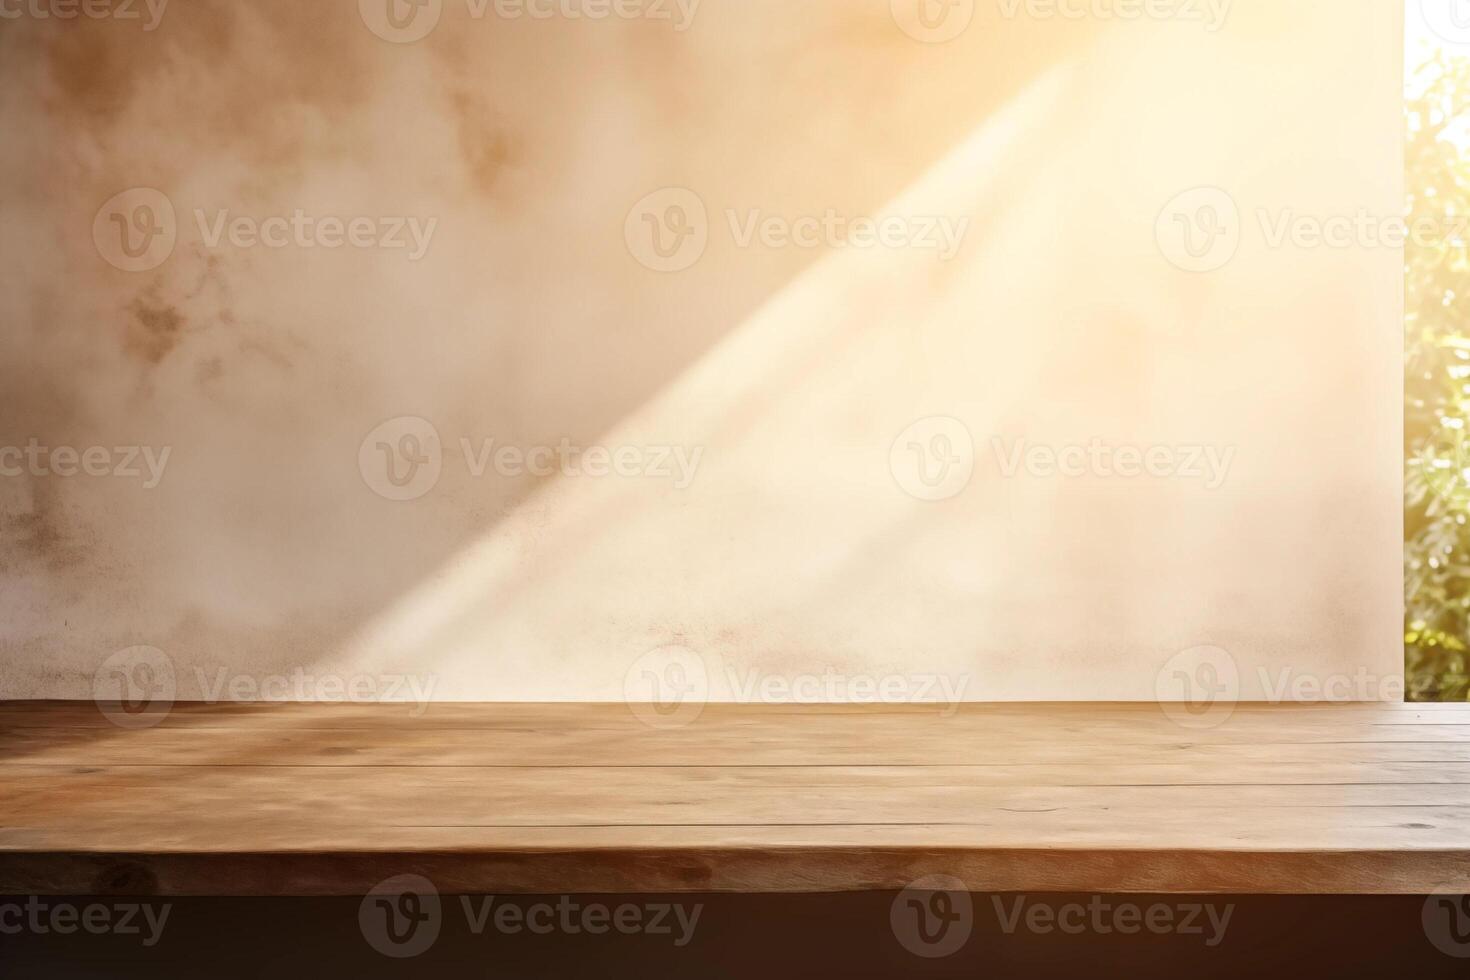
[
  {"x": 571, "y": 748},
  {"x": 552, "y": 717},
  {"x": 1318, "y": 798},
  {"x": 752, "y": 866}
]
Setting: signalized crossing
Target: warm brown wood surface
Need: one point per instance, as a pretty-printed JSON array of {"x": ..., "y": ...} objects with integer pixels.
[{"x": 331, "y": 799}]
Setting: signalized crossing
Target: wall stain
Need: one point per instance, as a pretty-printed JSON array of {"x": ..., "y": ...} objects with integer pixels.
[
  {"x": 209, "y": 370},
  {"x": 41, "y": 536},
  {"x": 155, "y": 327},
  {"x": 97, "y": 70},
  {"x": 485, "y": 143},
  {"x": 298, "y": 57}
]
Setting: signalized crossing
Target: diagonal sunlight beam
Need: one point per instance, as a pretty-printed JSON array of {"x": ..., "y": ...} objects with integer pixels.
[{"x": 805, "y": 375}]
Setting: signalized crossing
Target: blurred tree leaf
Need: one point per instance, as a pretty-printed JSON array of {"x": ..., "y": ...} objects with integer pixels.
[{"x": 1437, "y": 385}]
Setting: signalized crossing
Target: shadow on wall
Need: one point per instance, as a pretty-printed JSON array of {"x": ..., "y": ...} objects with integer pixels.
[
  {"x": 567, "y": 242},
  {"x": 526, "y": 321}
]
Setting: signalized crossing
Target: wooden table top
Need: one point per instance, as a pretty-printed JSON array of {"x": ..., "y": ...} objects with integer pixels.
[{"x": 535, "y": 798}]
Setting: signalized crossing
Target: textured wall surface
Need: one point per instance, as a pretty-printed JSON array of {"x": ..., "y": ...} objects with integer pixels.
[{"x": 1005, "y": 414}]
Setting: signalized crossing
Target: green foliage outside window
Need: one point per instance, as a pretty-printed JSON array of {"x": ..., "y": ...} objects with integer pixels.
[{"x": 1437, "y": 388}]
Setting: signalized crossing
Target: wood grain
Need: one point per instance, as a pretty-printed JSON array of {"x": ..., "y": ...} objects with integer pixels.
[{"x": 331, "y": 799}]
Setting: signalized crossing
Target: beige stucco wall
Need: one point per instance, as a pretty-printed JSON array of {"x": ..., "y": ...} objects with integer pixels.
[{"x": 1061, "y": 312}]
